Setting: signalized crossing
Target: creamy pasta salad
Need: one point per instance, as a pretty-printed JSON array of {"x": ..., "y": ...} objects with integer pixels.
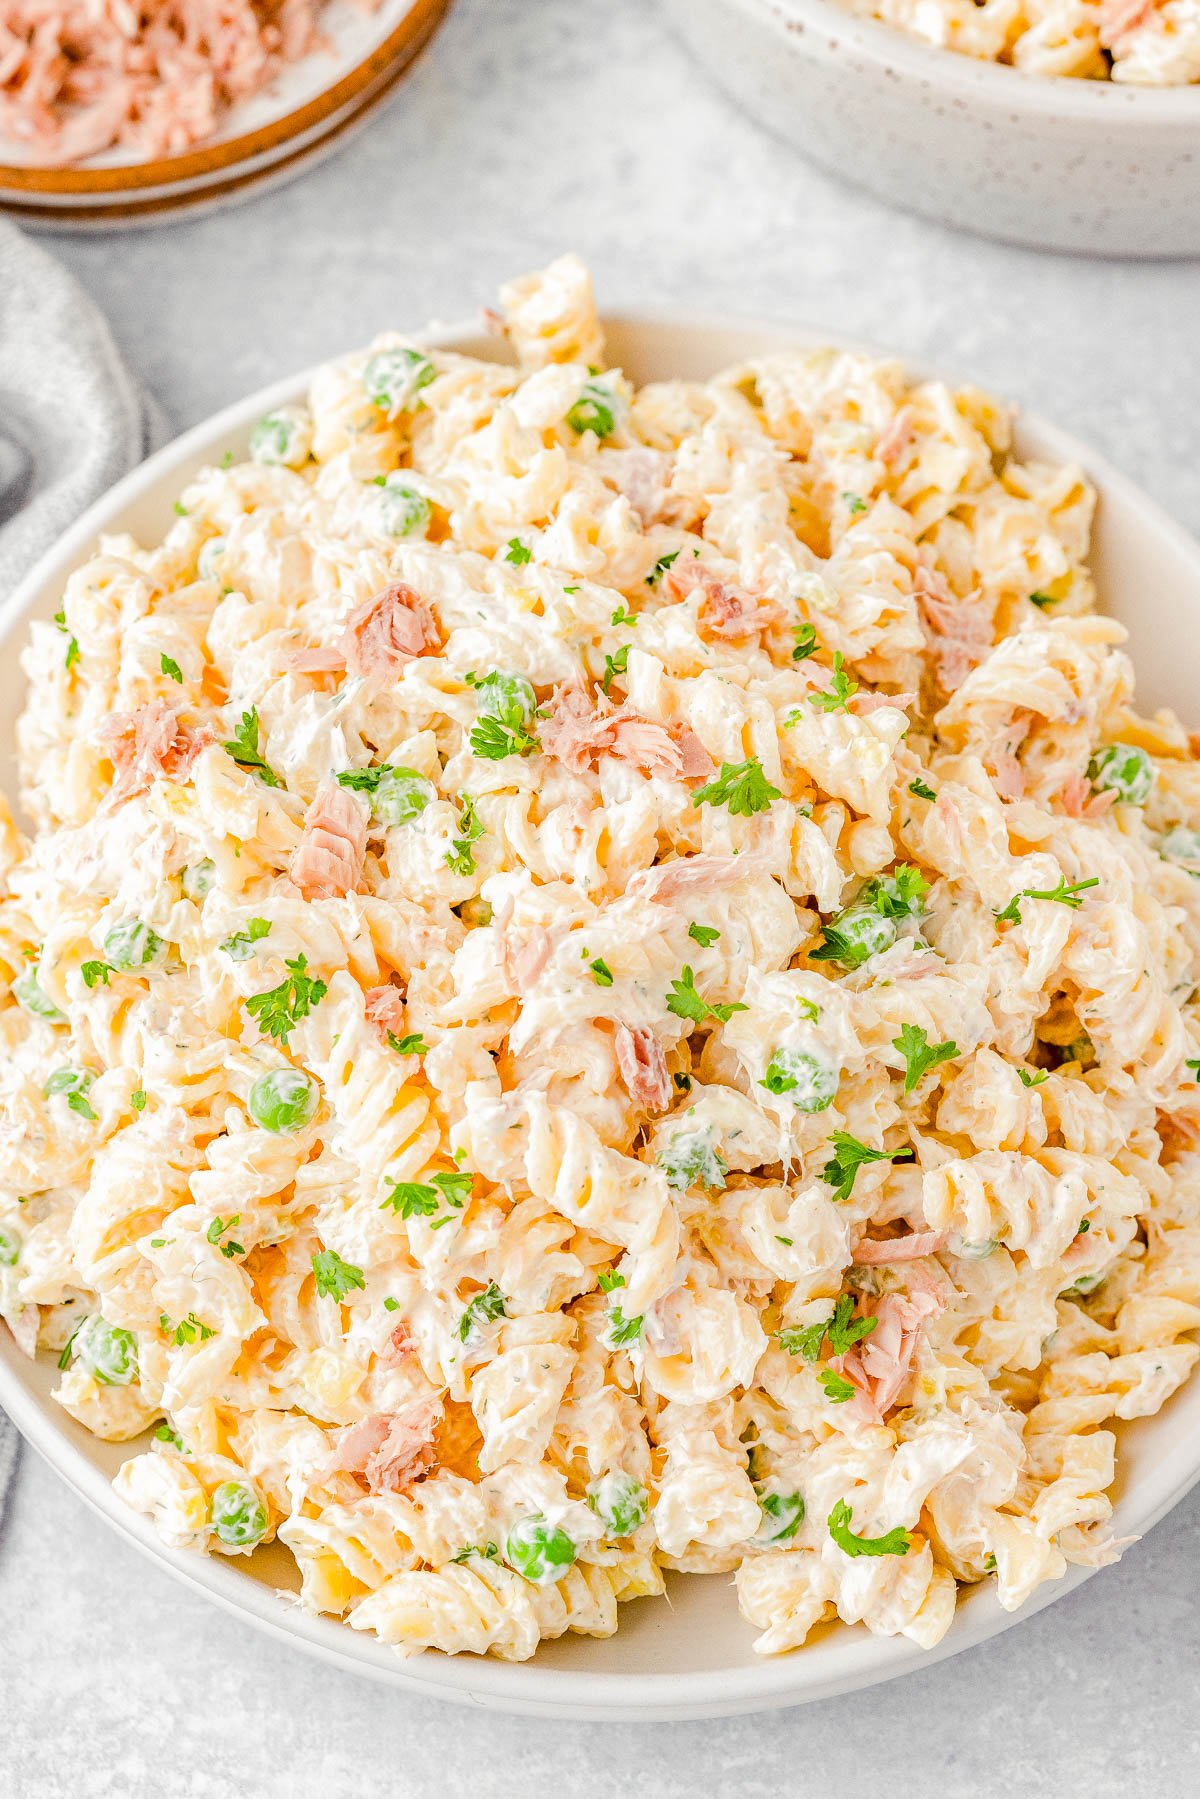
[
  {"x": 1150, "y": 43},
  {"x": 604, "y": 981}
]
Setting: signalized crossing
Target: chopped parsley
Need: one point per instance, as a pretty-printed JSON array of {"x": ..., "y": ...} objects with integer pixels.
[
  {"x": 683, "y": 1001},
  {"x": 622, "y": 1330},
  {"x": 164, "y": 1434},
  {"x": 921, "y": 791},
  {"x": 181, "y": 510},
  {"x": 1041, "y": 600},
  {"x": 243, "y": 747},
  {"x": 490, "y": 1552},
  {"x": 854, "y": 504},
  {"x": 806, "y": 643},
  {"x": 459, "y": 859},
  {"x": 364, "y": 780},
  {"x": 335, "y": 1278},
  {"x": 623, "y": 616},
  {"x": 703, "y": 934},
  {"x": 422, "y": 1199},
  {"x": 1030, "y": 1079},
  {"x": 217, "y": 1230},
  {"x": 741, "y": 786},
  {"x": 837, "y": 696},
  {"x": 517, "y": 552},
  {"x": 837, "y": 1387},
  {"x": 241, "y": 944},
  {"x": 96, "y": 973},
  {"x": 137, "y": 1099},
  {"x": 690, "y": 1160},
  {"x": 280, "y": 1009},
  {"x": 919, "y": 1054},
  {"x": 849, "y": 1155},
  {"x": 659, "y": 570},
  {"x": 613, "y": 666},
  {"x": 502, "y": 728},
  {"x": 1064, "y": 895},
  {"x": 608, "y": 1279},
  {"x": 895, "y": 1542},
  {"x": 485, "y": 1308},
  {"x": 413, "y": 1044},
  {"x": 843, "y": 1330},
  {"x": 74, "y": 1084},
  {"x": 601, "y": 972},
  {"x": 170, "y": 667},
  {"x": 72, "y": 655},
  {"x": 189, "y": 1330}
]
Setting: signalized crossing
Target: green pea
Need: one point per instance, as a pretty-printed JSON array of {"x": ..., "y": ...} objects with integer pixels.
[
  {"x": 504, "y": 696},
  {"x": 402, "y": 795},
  {"x": 403, "y": 512},
  {"x": 595, "y": 410},
  {"x": 539, "y": 1551},
  {"x": 28, "y": 993},
  {"x": 283, "y": 1100},
  {"x": 1125, "y": 769},
  {"x": 199, "y": 879},
  {"x": 132, "y": 944},
  {"x": 858, "y": 934},
  {"x": 393, "y": 379},
  {"x": 476, "y": 914},
  {"x": 979, "y": 1251},
  {"x": 74, "y": 1084},
  {"x": 239, "y": 1517},
  {"x": 108, "y": 1352},
  {"x": 620, "y": 1502},
  {"x": 210, "y": 554},
  {"x": 10, "y": 1247},
  {"x": 282, "y": 439},
  {"x": 1182, "y": 845},
  {"x": 808, "y": 1081},
  {"x": 782, "y": 1514}
]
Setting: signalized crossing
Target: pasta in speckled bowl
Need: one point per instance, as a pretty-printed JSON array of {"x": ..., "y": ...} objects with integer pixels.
[
  {"x": 998, "y": 118},
  {"x": 599, "y": 990}
]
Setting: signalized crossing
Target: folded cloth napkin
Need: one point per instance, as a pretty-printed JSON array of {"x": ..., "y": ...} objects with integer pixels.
[{"x": 71, "y": 423}]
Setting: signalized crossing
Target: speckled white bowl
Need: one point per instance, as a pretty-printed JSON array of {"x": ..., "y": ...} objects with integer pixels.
[
  {"x": 1088, "y": 166},
  {"x": 693, "y": 1657}
]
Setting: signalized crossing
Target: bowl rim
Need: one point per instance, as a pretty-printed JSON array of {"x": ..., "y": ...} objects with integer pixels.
[
  {"x": 850, "y": 1659},
  {"x": 999, "y": 85}
]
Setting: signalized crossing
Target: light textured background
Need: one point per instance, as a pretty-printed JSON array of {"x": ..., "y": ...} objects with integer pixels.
[{"x": 531, "y": 126}]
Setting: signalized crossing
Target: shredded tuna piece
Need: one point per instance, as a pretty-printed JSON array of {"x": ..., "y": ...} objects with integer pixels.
[
  {"x": 154, "y": 77},
  {"x": 1079, "y": 800},
  {"x": 691, "y": 874},
  {"x": 1117, "y": 17},
  {"x": 320, "y": 659},
  {"x": 895, "y": 439},
  {"x": 24, "y": 1326},
  {"x": 879, "y": 1365},
  {"x": 386, "y": 632},
  {"x": 385, "y": 1010},
  {"x": 329, "y": 861},
  {"x": 643, "y": 1067},
  {"x": 643, "y": 475},
  {"x": 578, "y": 734},
  {"x": 958, "y": 632},
  {"x": 1009, "y": 776},
  {"x": 400, "y": 1343},
  {"x": 725, "y": 611},
  {"x": 392, "y": 1451},
  {"x": 863, "y": 703},
  {"x": 874, "y": 1251},
  {"x": 150, "y": 742},
  {"x": 524, "y": 963}
]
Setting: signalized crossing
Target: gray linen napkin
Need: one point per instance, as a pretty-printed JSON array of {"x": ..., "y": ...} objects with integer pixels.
[{"x": 71, "y": 423}]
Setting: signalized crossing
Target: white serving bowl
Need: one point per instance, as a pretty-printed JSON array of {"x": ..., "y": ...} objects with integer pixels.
[
  {"x": 692, "y": 1658},
  {"x": 1064, "y": 164}
]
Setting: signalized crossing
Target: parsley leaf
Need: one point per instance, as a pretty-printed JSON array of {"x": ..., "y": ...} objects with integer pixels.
[
  {"x": 459, "y": 859},
  {"x": 837, "y": 696},
  {"x": 1029, "y": 1079},
  {"x": 683, "y": 1001},
  {"x": 1064, "y": 894},
  {"x": 844, "y": 1328},
  {"x": 241, "y": 944},
  {"x": 703, "y": 934},
  {"x": 1041, "y": 600},
  {"x": 659, "y": 570},
  {"x": 412, "y": 1199},
  {"x": 363, "y": 780},
  {"x": 96, "y": 973},
  {"x": 413, "y": 1044},
  {"x": 804, "y": 1339},
  {"x": 217, "y": 1230},
  {"x": 837, "y": 1387},
  {"x": 335, "y": 1278},
  {"x": 281, "y": 1008},
  {"x": 920, "y": 791},
  {"x": 601, "y": 972},
  {"x": 622, "y": 615},
  {"x": 741, "y": 786},
  {"x": 170, "y": 667},
  {"x": 849, "y": 1156},
  {"x": 854, "y": 504},
  {"x": 806, "y": 643},
  {"x": 622, "y": 1330},
  {"x": 189, "y": 1330},
  {"x": 485, "y": 1308},
  {"x": 895, "y": 1542},
  {"x": 493, "y": 739},
  {"x": 137, "y": 1099},
  {"x": 608, "y": 1279},
  {"x": 517, "y": 552},
  {"x": 613, "y": 666},
  {"x": 919, "y": 1054},
  {"x": 490, "y": 1552},
  {"x": 243, "y": 747},
  {"x": 72, "y": 655},
  {"x": 164, "y": 1434}
]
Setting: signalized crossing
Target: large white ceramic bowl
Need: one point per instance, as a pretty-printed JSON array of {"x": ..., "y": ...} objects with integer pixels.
[
  {"x": 692, "y": 1658},
  {"x": 1064, "y": 164}
]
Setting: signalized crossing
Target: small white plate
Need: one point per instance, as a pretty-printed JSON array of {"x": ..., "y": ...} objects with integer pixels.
[{"x": 693, "y": 1657}]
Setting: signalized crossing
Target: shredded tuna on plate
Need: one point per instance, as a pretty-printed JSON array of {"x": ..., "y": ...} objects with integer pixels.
[{"x": 154, "y": 77}]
